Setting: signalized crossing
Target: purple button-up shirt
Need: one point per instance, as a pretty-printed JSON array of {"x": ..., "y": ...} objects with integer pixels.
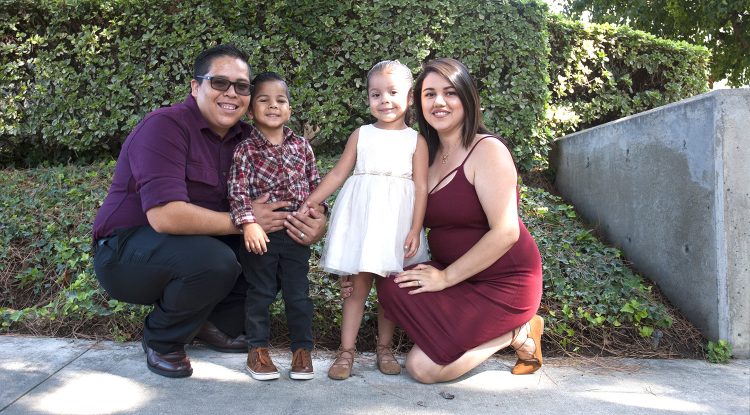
[{"x": 172, "y": 155}]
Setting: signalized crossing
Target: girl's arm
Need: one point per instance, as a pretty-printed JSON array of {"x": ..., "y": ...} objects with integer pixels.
[
  {"x": 313, "y": 179},
  {"x": 419, "y": 175},
  {"x": 338, "y": 174},
  {"x": 492, "y": 172}
]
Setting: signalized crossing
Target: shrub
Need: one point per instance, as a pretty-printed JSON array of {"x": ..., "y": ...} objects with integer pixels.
[
  {"x": 75, "y": 77},
  {"x": 600, "y": 73},
  {"x": 46, "y": 271},
  {"x": 79, "y": 75}
]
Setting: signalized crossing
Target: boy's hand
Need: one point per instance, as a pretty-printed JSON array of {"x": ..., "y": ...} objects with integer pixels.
[
  {"x": 412, "y": 243},
  {"x": 255, "y": 238}
]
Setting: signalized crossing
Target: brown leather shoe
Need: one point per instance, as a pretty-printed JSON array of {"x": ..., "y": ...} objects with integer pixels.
[
  {"x": 527, "y": 366},
  {"x": 171, "y": 365},
  {"x": 215, "y": 339},
  {"x": 260, "y": 365},
  {"x": 302, "y": 367}
]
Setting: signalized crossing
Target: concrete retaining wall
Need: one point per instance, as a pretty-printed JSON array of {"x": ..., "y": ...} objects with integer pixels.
[{"x": 671, "y": 188}]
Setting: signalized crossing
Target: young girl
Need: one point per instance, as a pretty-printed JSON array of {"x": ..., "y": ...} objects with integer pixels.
[{"x": 376, "y": 222}]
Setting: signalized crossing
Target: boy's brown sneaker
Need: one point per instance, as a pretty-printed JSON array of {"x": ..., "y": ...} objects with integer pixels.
[
  {"x": 259, "y": 364},
  {"x": 302, "y": 367}
]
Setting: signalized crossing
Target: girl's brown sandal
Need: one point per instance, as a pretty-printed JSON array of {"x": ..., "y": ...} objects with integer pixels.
[
  {"x": 342, "y": 365},
  {"x": 387, "y": 362}
]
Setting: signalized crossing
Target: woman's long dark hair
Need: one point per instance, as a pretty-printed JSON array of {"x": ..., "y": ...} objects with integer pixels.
[{"x": 458, "y": 76}]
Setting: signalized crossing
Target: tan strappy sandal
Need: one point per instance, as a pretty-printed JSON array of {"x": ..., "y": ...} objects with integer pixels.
[
  {"x": 342, "y": 365},
  {"x": 530, "y": 365},
  {"x": 387, "y": 362}
]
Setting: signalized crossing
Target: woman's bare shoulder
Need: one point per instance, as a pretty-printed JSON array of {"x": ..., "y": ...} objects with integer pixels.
[{"x": 491, "y": 150}]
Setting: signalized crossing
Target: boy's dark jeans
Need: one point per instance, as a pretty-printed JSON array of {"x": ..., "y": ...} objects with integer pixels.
[{"x": 284, "y": 267}]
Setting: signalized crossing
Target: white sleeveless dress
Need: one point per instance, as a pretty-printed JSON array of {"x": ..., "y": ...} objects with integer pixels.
[{"x": 373, "y": 211}]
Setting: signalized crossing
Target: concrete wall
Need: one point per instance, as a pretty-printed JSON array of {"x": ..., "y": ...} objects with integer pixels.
[{"x": 671, "y": 188}]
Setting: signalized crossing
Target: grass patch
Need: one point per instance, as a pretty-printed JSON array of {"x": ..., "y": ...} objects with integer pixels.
[{"x": 593, "y": 303}]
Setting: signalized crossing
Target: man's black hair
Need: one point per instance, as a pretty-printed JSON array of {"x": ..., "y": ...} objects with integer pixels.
[{"x": 205, "y": 59}]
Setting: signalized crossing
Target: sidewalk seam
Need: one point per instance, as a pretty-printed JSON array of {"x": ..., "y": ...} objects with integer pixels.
[{"x": 49, "y": 376}]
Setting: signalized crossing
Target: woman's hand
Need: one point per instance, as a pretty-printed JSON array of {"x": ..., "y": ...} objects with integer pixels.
[
  {"x": 425, "y": 278},
  {"x": 306, "y": 229}
]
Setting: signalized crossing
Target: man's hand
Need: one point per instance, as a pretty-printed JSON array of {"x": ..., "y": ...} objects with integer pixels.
[
  {"x": 265, "y": 214},
  {"x": 306, "y": 229}
]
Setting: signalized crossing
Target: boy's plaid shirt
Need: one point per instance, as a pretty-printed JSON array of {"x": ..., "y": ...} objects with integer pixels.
[{"x": 286, "y": 171}]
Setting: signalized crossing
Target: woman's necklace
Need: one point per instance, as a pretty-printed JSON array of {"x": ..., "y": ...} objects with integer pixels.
[{"x": 446, "y": 154}]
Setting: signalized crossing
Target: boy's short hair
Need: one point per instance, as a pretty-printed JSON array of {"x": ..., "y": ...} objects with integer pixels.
[{"x": 269, "y": 77}]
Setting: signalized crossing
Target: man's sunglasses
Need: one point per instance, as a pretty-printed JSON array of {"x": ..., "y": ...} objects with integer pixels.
[{"x": 223, "y": 84}]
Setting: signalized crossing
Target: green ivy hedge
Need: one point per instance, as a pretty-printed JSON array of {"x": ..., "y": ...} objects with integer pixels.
[
  {"x": 600, "y": 73},
  {"x": 592, "y": 302}
]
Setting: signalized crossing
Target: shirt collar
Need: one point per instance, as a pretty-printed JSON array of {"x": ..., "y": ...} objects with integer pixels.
[{"x": 259, "y": 139}]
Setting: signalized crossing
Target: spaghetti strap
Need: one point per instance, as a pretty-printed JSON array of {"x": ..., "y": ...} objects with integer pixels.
[
  {"x": 460, "y": 165},
  {"x": 472, "y": 149}
]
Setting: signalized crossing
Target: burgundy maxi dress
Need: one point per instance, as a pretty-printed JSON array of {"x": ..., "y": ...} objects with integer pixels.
[{"x": 445, "y": 324}]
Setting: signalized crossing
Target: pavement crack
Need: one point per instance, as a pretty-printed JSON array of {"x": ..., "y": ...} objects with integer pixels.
[{"x": 387, "y": 391}]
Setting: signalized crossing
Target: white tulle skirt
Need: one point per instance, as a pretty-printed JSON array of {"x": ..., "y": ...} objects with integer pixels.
[{"x": 368, "y": 227}]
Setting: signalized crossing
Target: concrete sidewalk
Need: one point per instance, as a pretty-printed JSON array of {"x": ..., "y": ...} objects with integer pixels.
[{"x": 63, "y": 376}]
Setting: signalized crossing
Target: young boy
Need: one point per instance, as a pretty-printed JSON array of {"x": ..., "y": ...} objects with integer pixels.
[{"x": 273, "y": 160}]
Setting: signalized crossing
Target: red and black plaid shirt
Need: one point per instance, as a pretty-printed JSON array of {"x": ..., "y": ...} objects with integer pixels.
[{"x": 286, "y": 171}]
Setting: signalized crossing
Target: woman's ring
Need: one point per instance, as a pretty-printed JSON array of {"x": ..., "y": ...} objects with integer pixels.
[
  {"x": 419, "y": 283},
  {"x": 301, "y": 235}
]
